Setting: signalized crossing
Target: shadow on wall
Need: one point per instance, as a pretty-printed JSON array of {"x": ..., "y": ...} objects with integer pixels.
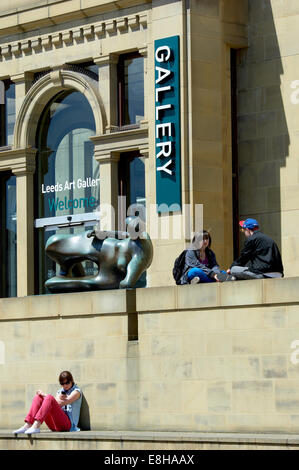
[
  {"x": 84, "y": 420},
  {"x": 263, "y": 137}
]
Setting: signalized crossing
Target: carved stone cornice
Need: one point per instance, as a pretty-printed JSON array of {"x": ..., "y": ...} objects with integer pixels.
[
  {"x": 70, "y": 37},
  {"x": 109, "y": 157},
  {"x": 19, "y": 161},
  {"x": 22, "y": 77},
  {"x": 106, "y": 59},
  {"x": 122, "y": 141}
]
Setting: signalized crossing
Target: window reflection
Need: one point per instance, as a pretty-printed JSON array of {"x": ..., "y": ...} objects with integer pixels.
[
  {"x": 131, "y": 182},
  {"x": 68, "y": 175},
  {"x": 8, "y": 230},
  {"x": 131, "y": 89},
  {"x": 7, "y": 112}
]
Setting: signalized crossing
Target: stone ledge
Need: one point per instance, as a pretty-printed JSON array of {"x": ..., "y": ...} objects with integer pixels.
[
  {"x": 218, "y": 295},
  {"x": 154, "y": 299},
  {"x": 160, "y": 436},
  {"x": 66, "y": 305}
]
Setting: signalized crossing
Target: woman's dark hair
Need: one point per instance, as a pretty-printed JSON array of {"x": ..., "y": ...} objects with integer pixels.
[
  {"x": 66, "y": 375},
  {"x": 198, "y": 237}
]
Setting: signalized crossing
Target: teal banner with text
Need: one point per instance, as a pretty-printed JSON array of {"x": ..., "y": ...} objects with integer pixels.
[{"x": 167, "y": 124}]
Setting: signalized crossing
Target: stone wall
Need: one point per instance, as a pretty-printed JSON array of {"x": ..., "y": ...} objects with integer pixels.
[
  {"x": 268, "y": 124},
  {"x": 203, "y": 358},
  {"x": 42, "y": 35},
  {"x": 215, "y": 28}
]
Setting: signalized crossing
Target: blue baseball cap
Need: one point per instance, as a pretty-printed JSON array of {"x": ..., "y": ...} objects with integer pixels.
[{"x": 250, "y": 224}]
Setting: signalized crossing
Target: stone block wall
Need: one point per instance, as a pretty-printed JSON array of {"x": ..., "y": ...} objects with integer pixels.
[
  {"x": 214, "y": 28},
  {"x": 42, "y": 35},
  {"x": 203, "y": 358},
  {"x": 268, "y": 124}
]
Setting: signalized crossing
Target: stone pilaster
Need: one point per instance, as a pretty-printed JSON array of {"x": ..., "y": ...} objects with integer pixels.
[
  {"x": 143, "y": 51},
  {"x": 23, "y": 166},
  {"x": 108, "y": 86},
  {"x": 23, "y": 82},
  {"x": 108, "y": 188}
]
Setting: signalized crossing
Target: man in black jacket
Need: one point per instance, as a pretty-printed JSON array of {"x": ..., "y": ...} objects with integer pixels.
[{"x": 260, "y": 257}]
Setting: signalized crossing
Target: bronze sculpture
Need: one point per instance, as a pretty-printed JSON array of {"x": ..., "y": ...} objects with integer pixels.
[{"x": 121, "y": 259}]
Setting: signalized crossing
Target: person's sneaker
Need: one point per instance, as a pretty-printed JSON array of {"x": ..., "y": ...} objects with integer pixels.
[
  {"x": 224, "y": 277},
  {"x": 21, "y": 430},
  {"x": 195, "y": 280},
  {"x": 32, "y": 430}
]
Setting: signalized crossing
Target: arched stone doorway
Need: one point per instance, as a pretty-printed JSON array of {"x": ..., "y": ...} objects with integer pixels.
[
  {"x": 67, "y": 176},
  {"x": 58, "y": 83}
]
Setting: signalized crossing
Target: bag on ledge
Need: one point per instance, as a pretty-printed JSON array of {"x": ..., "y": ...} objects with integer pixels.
[{"x": 178, "y": 267}]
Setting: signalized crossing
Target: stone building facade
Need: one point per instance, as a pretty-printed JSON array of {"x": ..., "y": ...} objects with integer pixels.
[
  {"x": 65, "y": 56},
  {"x": 237, "y": 94},
  {"x": 81, "y": 96}
]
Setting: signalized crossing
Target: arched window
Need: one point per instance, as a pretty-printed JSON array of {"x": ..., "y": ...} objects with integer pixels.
[{"x": 67, "y": 176}]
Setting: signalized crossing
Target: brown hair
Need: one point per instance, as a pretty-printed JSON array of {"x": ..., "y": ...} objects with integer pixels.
[
  {"x": 66, "y": 375},
  {"x": 198, "y": 237}
]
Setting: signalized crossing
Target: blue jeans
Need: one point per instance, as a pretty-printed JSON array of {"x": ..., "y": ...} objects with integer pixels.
[{"x": 197, "y": 272}]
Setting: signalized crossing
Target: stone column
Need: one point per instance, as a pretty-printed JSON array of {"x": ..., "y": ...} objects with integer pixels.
[
  {"x": 23, "y": 167},
  {"x": 108, "y": 87},
  {"x": 23, "y": 82},
  {"x": 143, "y": 51},
  {"x": 108, "y": 188}
]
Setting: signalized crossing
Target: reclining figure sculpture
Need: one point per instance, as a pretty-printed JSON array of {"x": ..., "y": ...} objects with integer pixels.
[{"x": 121, "y": 259}]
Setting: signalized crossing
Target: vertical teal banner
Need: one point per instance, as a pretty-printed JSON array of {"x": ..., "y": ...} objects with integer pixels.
[{"x": 167, "y": 124}]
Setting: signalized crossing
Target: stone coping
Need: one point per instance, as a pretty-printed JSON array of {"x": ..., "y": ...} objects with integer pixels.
[
  {"x": 153, "y": 299},
  {"x": 66, "y": 305},
  {"x": 161, "y": 436},
  {"x": 219, "y": 295}
]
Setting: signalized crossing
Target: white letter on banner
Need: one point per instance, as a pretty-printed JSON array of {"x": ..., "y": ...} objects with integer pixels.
[
  {"x": 165, "y": 127},
  {"x": 164, "y": 145},
  {"x": 162, "y": 74},
  {"x": 159, "y": 108},
  {"x": 161, "y": 57},
  {"x": 164, "y": 168},
  {"x": 162, "y": 88}
]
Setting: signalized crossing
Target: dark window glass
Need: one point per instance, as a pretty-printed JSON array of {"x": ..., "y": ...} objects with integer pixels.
[
  {"x": 67, "y": 174},
  {"x": 8, "y": 249},
  {"x": 131, "y": 179},
  {"x": 130, "y": 89},
  {"x": 7, "y": 112},
  {"x": 235, "y": 163}
]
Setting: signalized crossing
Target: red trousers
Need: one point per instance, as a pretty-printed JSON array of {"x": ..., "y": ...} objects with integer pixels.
[{"x": 47, "y": 409}]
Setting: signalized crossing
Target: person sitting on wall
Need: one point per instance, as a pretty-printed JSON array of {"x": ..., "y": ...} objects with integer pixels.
[
  {"x": 200, "y": 262},
  {"x": 60, "y": 413},
  {"x": 260, "y": 258}
]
